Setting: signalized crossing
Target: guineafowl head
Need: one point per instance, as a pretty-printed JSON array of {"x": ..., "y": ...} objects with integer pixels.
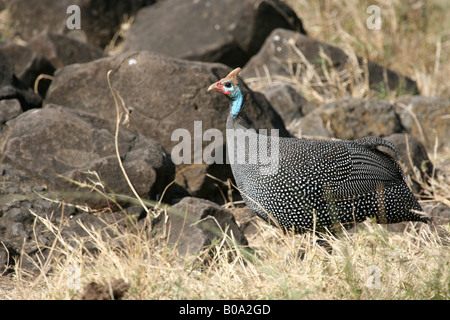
[{"x": 230, "y": 87}]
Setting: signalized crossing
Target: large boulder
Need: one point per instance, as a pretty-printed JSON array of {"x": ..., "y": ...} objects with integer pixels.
[
  {"x": 27, "y": 229},
  {"x": 42, "y": 146},
  {"x": 349, "y": 119},
  {"x": 353, "y": 118},
  {"x": 288, "y": 102},
  {"x": 310, "y": 126},
  {"x": 162, "y": 95},
  {"x": 227, "y": 31},
  {"x": 289, "y": 56},
  {"x": 99, "y": 19},
  {"x": 193, "y": 224},
  {"x": 7, "y": 257}
]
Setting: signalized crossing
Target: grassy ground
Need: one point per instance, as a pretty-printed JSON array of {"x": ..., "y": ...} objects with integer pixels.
[{"x": 369, "y": 263}]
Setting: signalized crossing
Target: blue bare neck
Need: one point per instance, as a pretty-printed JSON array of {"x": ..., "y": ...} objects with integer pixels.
[{"x": 236, "y": 104}]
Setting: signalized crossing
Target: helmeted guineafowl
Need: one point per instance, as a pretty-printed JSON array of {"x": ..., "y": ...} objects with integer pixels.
[{"x": 314, "y": 184}]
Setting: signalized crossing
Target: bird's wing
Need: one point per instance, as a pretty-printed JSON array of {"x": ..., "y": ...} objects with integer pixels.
[
  {"x": 367, "y": 169},
  {"x": 343, "y": 169},
  {"x": 373, "y": 142}
]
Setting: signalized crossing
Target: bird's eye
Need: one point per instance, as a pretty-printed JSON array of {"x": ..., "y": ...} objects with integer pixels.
[{"x": 228, "y": 84}]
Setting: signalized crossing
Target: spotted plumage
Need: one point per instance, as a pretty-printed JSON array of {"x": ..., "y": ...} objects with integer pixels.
[{"x": 315, "y": 184}]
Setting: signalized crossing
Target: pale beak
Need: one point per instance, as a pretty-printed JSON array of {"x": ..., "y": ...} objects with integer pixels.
[{"x": 215, "y": 87}]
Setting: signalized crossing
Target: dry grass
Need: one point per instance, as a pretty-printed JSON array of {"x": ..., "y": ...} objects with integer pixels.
[
  {"x": 414, "y": 38},
  {"x": 369, "y": 264}
]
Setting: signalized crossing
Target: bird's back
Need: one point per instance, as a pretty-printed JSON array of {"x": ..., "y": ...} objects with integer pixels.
[{"x": 318, "y": 183}]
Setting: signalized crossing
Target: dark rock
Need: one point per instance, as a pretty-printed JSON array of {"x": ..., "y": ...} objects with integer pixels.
[
  {"x": 18, "y": 214},
  {"x": 110, "y": 291},
  {"x": 17, "y": 230},
  {"x": 193, "y": 179},
  {"x": 34, "y": 237},
  {"x": 61, "y": 50},
  {"x": 108, "y": 226},
  {"x": 310, "y": 126},
  {"x": 9, "y": 109},
  {"x": 7, "y": 257},
  {"x": 246, "y": 219},
  {"x": 287, "y": 102},
  {"x": 195, "y": 223},
  {"x": 353, "y": 118},
  {"x": 414, "y": 157},
  {"x": 426, "y": 118},
  {"x": 12, "y": 88},
  {"x": 279, "y": 56},
  {"x": 176, "y": 192},
  {"x": 229, "y": 31},
  {"x": 80, "y": 224},
  {"x": 208, "y": 181},
  {"x": 99, "y": 20},
  {"x": 48, "y": 143},
  {"x": 28, "y": 64},
  {"x": 22, "y": 233},
  {"x": 163, "y": 94},
  {"x": 136, "y": 211}
]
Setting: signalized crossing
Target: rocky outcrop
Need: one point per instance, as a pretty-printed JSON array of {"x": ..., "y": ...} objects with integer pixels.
[
  {"x": 48, "y": 144},
  {"x": 162, "y": 94},
  {"x": 291, "y": 55},
  {"x": 214, "y": 31},
  {"x": 354, "y": 118},
  {"x": 98, "y": 19}
]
